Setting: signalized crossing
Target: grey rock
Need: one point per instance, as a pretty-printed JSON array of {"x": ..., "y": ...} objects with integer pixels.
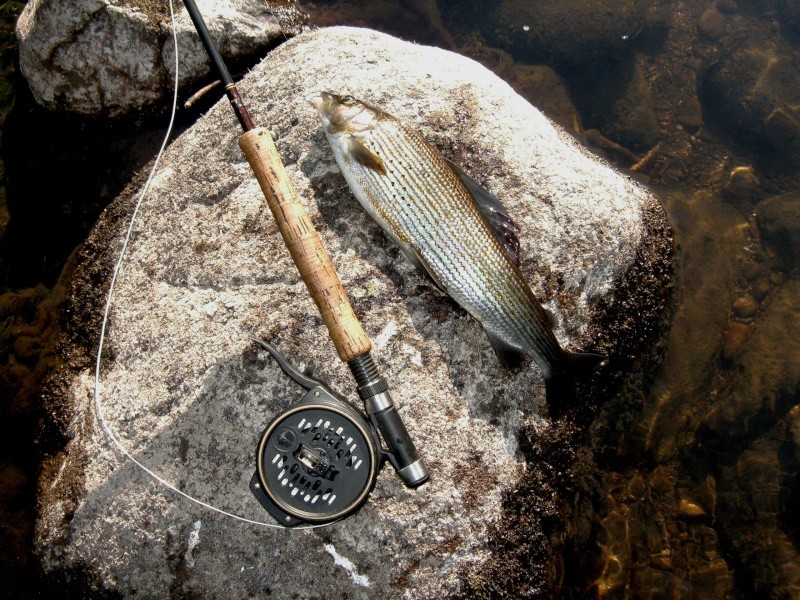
[
  {"x": 571, "y": 33},
  {"x": 113, "y": 57},
  {"x": 187, "y": 393}
]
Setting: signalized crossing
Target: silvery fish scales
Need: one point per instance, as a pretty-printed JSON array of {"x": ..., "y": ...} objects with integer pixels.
[{"x": 449, "y": 226}]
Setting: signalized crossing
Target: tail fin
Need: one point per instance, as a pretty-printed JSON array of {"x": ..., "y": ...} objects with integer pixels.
[{"x": 560, "y": 386}]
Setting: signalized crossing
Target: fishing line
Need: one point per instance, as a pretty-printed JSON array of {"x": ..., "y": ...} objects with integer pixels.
[{"x": 104, "y": 425}]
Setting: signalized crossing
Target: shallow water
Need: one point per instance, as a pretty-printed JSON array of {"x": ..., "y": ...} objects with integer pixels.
[{"x": 699, "y": 490}]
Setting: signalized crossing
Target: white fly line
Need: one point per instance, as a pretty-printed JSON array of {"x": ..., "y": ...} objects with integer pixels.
[{"x": 99, "y": 412}]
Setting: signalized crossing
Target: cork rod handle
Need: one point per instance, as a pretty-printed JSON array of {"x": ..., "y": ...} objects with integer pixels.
[{"x": 304, "y": 244}]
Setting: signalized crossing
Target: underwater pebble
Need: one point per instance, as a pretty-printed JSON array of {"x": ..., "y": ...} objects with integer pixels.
[
  {"x": 776, "y": 278},
  {"x": 689, "y": 113},
  {"x": 745, "y": 307},
  {"x": 660, "y": 482},
  {"x": 752, "y": 270},
  {"x": 636, "y": 488},
  {"x": 761, "y": 288},
  {"x": 711, "y": 23},
  {"x": 736, "y": 336},
  {"x": 690, "y": 509},
  {"x": 742, "y": 183}
]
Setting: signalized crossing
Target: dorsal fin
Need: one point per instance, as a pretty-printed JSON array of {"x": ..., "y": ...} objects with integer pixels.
[
  {"x": 502, "y": 224},
  {"x": 366, "y": 156}
]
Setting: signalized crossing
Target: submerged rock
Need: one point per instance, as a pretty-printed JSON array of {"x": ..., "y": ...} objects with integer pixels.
[
  {"x": 712, "y": 24},
  {"x": 757, "y": 509},
  {"x": 571, "y": 33},
  {"x": 618, "y": 101},
  {"x": 538, "y": 84},
  {"x": 113, "y": 57},
  {"x": 767, "y": 376},
  {"x": 188, "y": 394},
  {"x": 752, "y": 90},
  {"x": 789, "y": 14},
  {"x": 778, "y": 220}
]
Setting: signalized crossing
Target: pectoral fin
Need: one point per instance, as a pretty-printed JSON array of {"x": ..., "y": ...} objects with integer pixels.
[
  {"x": 503, "y": 226},
  {"x": 551, "y": 318},
  {"x": 419, "y": 262},
  {"x": 360, "y": 153}
]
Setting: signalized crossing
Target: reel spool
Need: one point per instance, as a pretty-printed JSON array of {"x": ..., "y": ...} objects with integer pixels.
[{"x": 316, "y": 461}]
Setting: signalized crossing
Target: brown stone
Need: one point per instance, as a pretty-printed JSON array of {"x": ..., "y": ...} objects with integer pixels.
[
  {"x": 742, "y": 183},
  {"x": 753, "y": 269},
  {"x": 745, "y": 307},
  {"x": 776, "y": 278},
  {"x": 712, "y": 23},
  {"x": 761, "y": 288},
  {"x": 736, "y": 336}
]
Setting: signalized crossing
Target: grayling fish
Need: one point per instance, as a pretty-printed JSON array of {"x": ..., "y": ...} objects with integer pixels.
[{"x": 449, "y": 226}]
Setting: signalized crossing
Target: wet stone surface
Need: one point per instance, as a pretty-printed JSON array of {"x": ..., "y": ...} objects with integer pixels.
[{"x": 188, "y": 394}]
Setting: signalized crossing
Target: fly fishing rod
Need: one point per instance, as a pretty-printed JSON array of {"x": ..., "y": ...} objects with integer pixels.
[{"x": 318, "y": 460}]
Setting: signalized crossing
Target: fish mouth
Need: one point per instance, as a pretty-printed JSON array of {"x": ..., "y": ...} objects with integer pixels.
[{"x": 322, "y": 101}]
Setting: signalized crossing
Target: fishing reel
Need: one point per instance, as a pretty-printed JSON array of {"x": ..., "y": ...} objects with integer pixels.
[{"x": 317, "y": 461}]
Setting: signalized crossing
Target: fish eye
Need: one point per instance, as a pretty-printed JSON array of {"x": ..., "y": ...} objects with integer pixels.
[{"x": 349, "y": 100}]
